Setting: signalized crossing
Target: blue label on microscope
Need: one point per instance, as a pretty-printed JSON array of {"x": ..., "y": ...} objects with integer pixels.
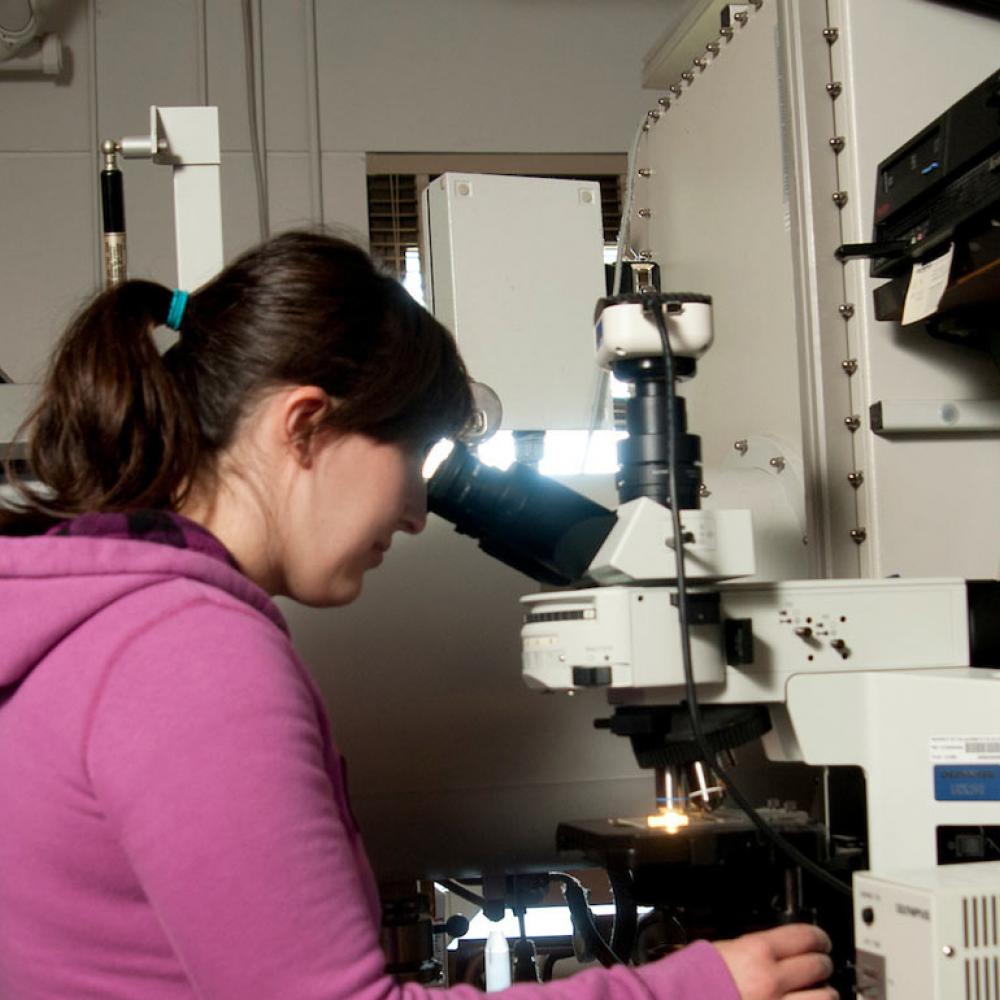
[{"x": 966, "y": 783}]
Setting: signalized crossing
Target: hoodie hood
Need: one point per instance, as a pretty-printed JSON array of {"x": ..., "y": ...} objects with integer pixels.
[{"x": 50, "y": 585}]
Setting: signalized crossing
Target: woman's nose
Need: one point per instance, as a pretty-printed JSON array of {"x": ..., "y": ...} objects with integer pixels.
[{"x": 414, "y": 518}]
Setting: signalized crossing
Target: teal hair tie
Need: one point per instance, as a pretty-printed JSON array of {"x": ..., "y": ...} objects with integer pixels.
[{"x": 177, "y": 306}]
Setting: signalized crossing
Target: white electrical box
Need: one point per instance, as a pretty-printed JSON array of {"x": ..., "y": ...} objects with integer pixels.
[
  {"x": 929, "y": 935},
  {"x": 515, "y": 266}
]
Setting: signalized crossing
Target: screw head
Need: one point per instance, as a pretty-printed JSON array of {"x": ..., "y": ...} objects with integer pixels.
[
  {"x": 714, "y": 48},
  {"x": 834, "y": 89},
  {"x": 687, "y": 76},
  {"x": 726, "y": 33},
  {"x": 853, "y": 422},
  {"x": 948, "y": 951},
  {"x": 831, "y": 35},
  {"x": 846, "y": 309},
  {"x": 837, "y": 143},
  {"x": 741, "y": 446},
  {"x": 840, "y": 198},
  {"x": 664, "y": 102},
  {"x": 858, "y": 535},
  {"x": 849, "y": 366}
]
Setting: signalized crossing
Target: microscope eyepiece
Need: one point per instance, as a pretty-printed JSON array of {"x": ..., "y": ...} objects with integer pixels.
[{"x": 526, "y": 520}]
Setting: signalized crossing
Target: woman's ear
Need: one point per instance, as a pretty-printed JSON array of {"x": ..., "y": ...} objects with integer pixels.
[{"x": 303, "y": 411}]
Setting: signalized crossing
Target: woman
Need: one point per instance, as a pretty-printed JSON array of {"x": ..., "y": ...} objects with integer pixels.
[{"x": 175, "y": 818}]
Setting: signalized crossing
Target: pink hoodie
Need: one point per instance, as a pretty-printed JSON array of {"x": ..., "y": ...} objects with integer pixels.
[{"x": 175, "y": 821}]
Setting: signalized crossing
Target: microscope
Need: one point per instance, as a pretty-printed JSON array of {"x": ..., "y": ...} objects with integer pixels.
[{"x": 897, "y": 677}]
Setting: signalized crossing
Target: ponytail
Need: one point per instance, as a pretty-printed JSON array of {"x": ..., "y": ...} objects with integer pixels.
[
  {"x": 119, "y": 427},
  {"x": 112, "y": 429}
]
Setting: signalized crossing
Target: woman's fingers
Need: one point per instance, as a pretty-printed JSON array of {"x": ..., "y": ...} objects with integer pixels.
[
  {"x": 800, "y": 971},
  {"x": 796, "y": 939}
]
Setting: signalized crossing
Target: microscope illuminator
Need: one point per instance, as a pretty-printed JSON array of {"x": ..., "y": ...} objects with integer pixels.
[{"x": 932, "y": 934}]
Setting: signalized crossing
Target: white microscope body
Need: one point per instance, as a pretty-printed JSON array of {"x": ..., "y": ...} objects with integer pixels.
[{"x": 893, "y": 676}]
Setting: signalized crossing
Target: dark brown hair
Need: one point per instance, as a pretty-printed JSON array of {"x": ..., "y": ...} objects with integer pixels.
[{"x": 118, "y": 427}]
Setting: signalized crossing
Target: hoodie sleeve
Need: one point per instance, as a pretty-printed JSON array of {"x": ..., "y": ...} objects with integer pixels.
[{"x": 207, "y": 759}]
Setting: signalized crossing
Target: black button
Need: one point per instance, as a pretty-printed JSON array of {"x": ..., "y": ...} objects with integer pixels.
[
  {"x": 591, "y": 676},
  {"x": 868, "y": 915}
]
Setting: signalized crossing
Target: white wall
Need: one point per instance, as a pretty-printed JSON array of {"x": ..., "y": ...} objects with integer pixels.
[{"x": 341, "y": 78}]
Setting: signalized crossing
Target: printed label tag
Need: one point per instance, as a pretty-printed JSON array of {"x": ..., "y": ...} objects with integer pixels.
[
  {"x": 965, "y": 749},
  {"x": 927, "y": 284}
]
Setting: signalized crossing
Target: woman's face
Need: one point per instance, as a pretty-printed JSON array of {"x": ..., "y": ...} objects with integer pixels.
[{"x": 342, "y": 512}]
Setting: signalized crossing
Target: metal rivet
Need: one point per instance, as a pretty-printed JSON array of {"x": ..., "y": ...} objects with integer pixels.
[
  {"x": 687, "y": 76},
  {"x": 846, "y": 309},
  {"x": 840, "y": 198},
  {"x": 850, "y": 366},
  {"x": 741, "y": 446},
  {"x": 741, "y": 17},
  {"x": 726, "y": 33},
  {"x": 852, "y": 423},
  {"x": 704, "y": 491},
  {"x": 644, "y": 213},
  {"x": 701, "y": 62},
  {"x": 831, "y": 35},
  {"x": 664, "y": 102},
  {"x": 645, "y": 172},
  {"x": 837, "y": 143},
  {"x": 777, "y": 463},
  {"x": 858, "y": 535},
  {"x": 713, "y": 47},
  {"x": 675, "y": 90},
  {"x": 653, "y": 115},
  {"x": 835, "y": 89},
  {"x": 856, "y": 478}
]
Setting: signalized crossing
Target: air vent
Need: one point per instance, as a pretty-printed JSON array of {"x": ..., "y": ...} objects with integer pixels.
[
  {"x": 980, "y": 921},
  {"x": 982, "y": 979},
  {"x": 558, "y": 616}
]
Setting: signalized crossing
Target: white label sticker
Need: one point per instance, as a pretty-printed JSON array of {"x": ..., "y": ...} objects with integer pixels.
[
  {"x": 965, "y": 749},
  {"x": 927, "y": 284}
]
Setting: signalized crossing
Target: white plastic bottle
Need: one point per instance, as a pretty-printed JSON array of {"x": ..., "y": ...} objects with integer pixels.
[{"x": 497, "y": 960}]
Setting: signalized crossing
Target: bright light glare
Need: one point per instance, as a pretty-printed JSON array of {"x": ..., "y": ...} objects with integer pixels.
[
  {"x": 566, "y": 453},
  {"x": 497, "y": 451},
  {"x": 411, "y": 275},
  {"x": 570, "y": 453},
  {"x": 539, "y": 921},
  {"x": 668, "y": 820},
  {"x": 436, "y": 456}
]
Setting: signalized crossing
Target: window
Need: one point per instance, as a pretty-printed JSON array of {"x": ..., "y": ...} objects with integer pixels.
[{"x": 397, "y": 181}]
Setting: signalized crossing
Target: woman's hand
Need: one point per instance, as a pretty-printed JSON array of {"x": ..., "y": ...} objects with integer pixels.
[{"x": 785, "y": 963}]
